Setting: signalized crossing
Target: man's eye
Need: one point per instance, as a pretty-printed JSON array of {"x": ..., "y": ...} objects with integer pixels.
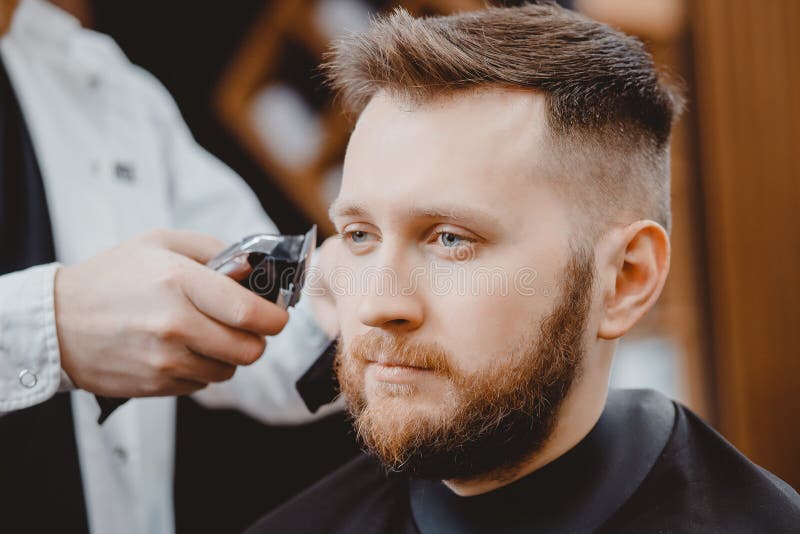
[
  {"x": 453, "y": 246},
  {"x": 358, "y": 237},
  {"x": 451, "y": 240}
]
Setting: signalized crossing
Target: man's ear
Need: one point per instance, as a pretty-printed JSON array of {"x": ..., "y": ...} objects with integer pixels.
[{"x": 635, "y": 270}]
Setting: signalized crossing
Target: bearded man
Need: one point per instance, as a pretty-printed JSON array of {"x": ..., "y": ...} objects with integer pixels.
[{"x": 509, "y": 170}]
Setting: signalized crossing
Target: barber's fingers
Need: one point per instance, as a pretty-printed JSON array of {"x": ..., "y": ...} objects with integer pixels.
[
  {"x": 197, "y": 368},
  {"x": 224, "y": 300},
  {"x": 232, "y": 346},
  {"x": 182, "y": 386},
  {"x": 194, "y": 245},
  {"x": 238, "y": 268}
]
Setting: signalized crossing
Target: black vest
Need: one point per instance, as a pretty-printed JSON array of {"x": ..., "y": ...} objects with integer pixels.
[
  {"x": 229, "y": 469},
  {"x": 38, "y": 453}
]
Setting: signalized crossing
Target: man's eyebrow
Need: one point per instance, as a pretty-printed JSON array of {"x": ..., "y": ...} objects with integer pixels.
[
  {"x": 347, "y": 209},
  {"x": 457, "y": 214},
  {"x": 454, "y": 213}
]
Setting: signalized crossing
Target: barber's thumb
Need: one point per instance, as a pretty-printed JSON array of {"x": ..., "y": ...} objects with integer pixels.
[{"x": 194, "y": 245}]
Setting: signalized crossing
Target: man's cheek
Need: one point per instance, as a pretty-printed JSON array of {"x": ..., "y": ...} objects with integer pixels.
[
  {"x": 469, "y": 329},
  {"x": 346, "y": 309},
  {"x": 350, "y": 374}
]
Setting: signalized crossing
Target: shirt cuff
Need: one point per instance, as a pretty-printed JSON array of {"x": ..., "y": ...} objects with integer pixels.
[
  {"x": 66, "y": 383},
  {"x": 30, "y": 362}
]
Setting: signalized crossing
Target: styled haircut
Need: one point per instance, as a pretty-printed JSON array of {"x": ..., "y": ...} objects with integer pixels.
[{"x": 609, "y": 112}]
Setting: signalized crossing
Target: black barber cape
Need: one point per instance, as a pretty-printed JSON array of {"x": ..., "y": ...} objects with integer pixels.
[
  {"x": 648, "y": 465},
  {"x": 228, "y": 467}
]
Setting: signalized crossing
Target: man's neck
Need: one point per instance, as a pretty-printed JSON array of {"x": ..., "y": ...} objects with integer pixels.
[{"x": 578, "y": 414}]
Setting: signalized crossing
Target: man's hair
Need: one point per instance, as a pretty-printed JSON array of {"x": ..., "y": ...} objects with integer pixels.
[{"x": 609, "y": 113}]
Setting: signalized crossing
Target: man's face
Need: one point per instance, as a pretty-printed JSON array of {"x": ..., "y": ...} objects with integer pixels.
[{"x": 462, "y": 302}]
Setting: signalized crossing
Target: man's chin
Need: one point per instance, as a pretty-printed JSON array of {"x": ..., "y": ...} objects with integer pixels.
[
  {"x": 422, "y": 397},
  {"x": 389, "y": 409},
  {"x": 390, "y": 428}
]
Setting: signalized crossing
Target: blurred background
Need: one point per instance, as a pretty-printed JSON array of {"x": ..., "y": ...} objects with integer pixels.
[{"x": 721, "y": 338}]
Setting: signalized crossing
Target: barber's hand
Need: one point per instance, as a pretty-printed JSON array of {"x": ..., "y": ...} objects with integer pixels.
[{"x": 148, "y": 319}]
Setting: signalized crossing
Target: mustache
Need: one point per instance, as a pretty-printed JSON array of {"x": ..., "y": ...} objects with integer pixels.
[{"x": 376, "y": 347}]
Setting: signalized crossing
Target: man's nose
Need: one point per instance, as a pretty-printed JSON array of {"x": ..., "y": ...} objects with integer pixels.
[
  {"x": 390, "y": 302},
  {"x": 391, "y": 312}
]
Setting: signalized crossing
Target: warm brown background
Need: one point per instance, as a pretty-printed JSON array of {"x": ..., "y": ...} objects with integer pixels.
[{"x": 747, "y": 56}]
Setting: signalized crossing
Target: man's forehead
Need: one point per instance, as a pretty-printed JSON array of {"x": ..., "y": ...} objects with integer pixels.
[
  {"x": 444, "y": 145},
  {"x": 477, "y": 127}
]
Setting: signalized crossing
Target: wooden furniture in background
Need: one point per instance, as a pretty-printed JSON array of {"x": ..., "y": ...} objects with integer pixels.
[
  {"x": 258, "y": 63},
  {"x": 748, "y": 87}
]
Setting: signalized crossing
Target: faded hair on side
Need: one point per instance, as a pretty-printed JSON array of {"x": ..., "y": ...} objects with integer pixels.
[{"x": 610, "y": 113}]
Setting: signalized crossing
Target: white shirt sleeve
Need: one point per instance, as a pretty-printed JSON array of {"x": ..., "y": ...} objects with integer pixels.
[
  {"x": 207, "y": 196},
  {"x": 30, "y": 364}
]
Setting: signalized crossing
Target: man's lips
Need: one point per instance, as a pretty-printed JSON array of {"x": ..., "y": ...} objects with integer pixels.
[
  {"x": 388, "y": 361},
  {"x": 398, "y": 364},
  {"x": 394, "y": 371}
]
